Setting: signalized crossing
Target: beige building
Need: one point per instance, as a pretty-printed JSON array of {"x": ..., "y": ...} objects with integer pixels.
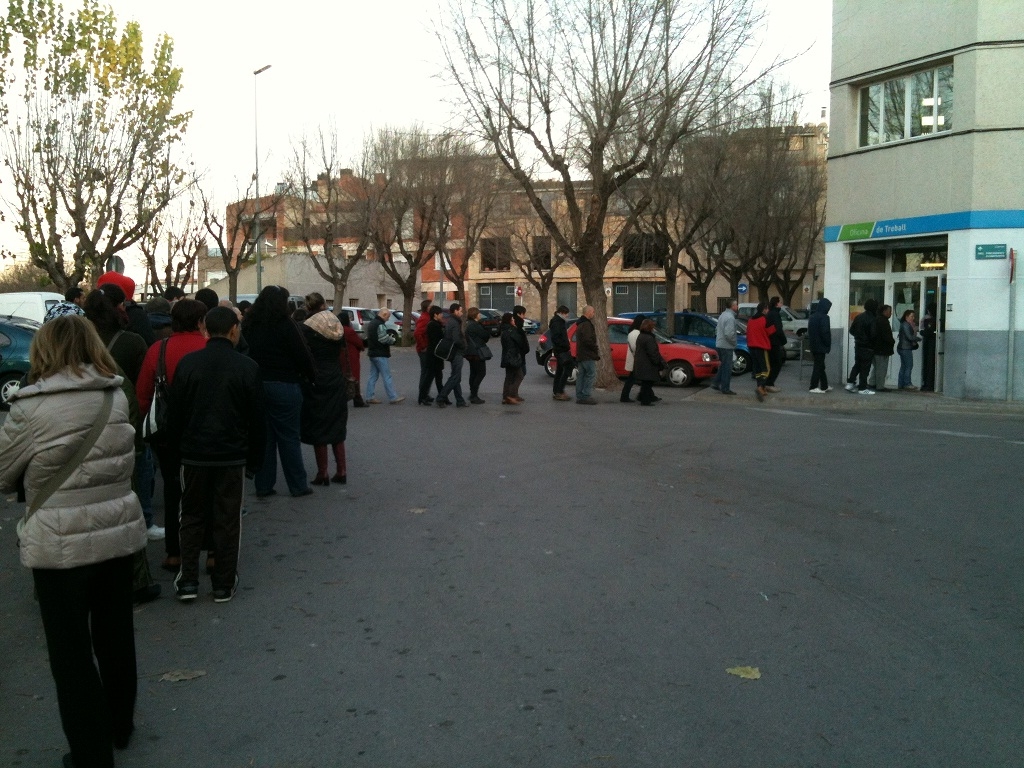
[{"x": 925, "y": 208}]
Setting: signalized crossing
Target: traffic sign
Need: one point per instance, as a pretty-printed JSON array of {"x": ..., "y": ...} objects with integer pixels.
[{"x": 742, "y": 288}]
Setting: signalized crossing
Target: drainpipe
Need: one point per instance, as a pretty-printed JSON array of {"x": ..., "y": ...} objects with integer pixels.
[{"x": 1012, "y": 332}]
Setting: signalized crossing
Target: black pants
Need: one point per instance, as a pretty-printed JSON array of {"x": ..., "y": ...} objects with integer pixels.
[
  {"x": 864, "y": 358},
  {"x": 646, "y": 394},
  {"x": 819, "y": 379},
  {"x": 760, "y": 362},
  {"x": 627, "y": 387},
  {"x": 88, "y": 610},
  {"x": 477, "y": 372},
  {"x": 211, "y": 494},
  {"x": 431, "y": 371},
  {"x": 777, "y": 356},
  {"x": 170, "y": 470},
  {"x": 565, "y": 366}
]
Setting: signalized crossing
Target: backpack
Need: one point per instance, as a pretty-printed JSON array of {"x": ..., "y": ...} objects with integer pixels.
[{"x": 154, "y": 425}]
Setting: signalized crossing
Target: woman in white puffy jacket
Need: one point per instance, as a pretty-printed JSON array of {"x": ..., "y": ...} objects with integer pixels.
[{"x": 82, "y": 526}]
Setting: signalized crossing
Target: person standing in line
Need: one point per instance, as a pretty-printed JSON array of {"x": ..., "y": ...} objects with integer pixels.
[
  {"x": 648, "y": 362},
  {"x": 426, "y": 358},
  {"x": 631, "y": 380},
  {"x": 559, "y": 334},
  {"x": 863, "y": 331},
  {"x": 725, "y": 345},
  {"x": 928, "y": 331},
  {"x": 378, "y": 349},
  {"x": 278, "y": 348},
  {"x": 476, "y": 348},
  {"x": 435, "y": 332},
  {"x": 587, "y": 355},
  {"x": 137, "y": 320},
  {"x": 760, "y": 345},
  {"x": 74, "y": 300},
  {"x": 514, "y": 348},
  {"x": 215, "y": 416},
  {"x": 819, "y": 336},
  {"x": 778, "y": 340},
  {"x": 324, "y": 406},
  {"x": 908, "y": 342},
  {"x": 519, "y": 318},
  {"x": 453, "y": 335},
  {"x": 353, "y": 346},
  {"x": 81, "y": 530},
  {"x": 188, "y": 334},
  {"x": 883, "y": 345}
]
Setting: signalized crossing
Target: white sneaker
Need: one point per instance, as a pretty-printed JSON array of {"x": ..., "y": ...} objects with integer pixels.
[
  {"x": 850, "y": 387},
  {"x": 866, "y": 392},
  {"x": 817, "y": 391},
  {"x": 154, "y": 532},
  {"x": 827, "y": 389}
]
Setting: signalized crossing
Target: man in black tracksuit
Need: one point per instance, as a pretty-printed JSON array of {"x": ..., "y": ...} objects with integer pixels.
[
  {"x": 777, "y": 354},
  {"x": 561, "y": 351},
  {"x": 216, "y": 418},
  {"x": 863, "y": 331}
]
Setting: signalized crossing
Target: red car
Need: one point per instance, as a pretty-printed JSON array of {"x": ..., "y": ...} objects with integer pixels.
[{"x": 685, "y": 362}]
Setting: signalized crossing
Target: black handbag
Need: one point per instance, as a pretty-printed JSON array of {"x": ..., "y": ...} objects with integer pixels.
[
  {"x": 445, "y": 349},
  {"x": 484, "y": 352},
  {"x": 154, "y": 425}
]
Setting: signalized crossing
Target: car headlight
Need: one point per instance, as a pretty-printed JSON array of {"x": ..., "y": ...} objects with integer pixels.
[{"x": 706, "y": 357}]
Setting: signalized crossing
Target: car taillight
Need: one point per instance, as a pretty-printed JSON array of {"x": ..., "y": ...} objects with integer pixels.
[{"x": 543, "y": 338}]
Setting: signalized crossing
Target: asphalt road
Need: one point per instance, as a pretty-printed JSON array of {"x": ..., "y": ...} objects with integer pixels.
[{"x": 559, "y": 585}]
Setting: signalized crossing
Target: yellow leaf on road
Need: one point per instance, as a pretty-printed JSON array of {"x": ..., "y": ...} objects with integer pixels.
[{"x": 747, "y": 673}]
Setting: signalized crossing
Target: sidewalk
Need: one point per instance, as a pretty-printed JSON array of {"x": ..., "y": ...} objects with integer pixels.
[{"x": 794, "y": 384}]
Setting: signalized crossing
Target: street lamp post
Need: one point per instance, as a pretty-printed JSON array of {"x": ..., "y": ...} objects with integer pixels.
[{"x": 256, "y": 209}]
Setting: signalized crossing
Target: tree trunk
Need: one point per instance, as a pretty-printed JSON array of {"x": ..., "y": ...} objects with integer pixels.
[
  {"x": 670, "y": 304},
  {"x": 593, "y": 291},
  {"x": 543, "y": 291},
  {"x": 339, "y": 296},
  {"x": 408, "y": 326},
  {"x": 233, "y": 286}
]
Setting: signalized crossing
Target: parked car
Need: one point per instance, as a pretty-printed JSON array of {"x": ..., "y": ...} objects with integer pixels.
[
  {"x": 361, "y": 316},
  {"x": 31, "y": 305},
  {"x": 491, "y": 320},
  {"x": 16, "y": 335},
  {"x": 685, "y": 362},
  {"x": 699, "y": 328},
  {"x": 790, "y": 322},
  {"x": 530, "y": 326}
]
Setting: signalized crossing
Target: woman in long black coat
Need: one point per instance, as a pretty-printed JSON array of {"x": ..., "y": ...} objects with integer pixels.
[
  {"x": 647, "y": 362},
  {"x": 514, "y": 348},
  {"x": 324, "y": 407}
]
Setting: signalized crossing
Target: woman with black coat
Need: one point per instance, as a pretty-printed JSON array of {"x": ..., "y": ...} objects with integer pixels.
[
  {"x": 647, "y": 362},
  {"x": 324, "y": 410},
  {"x": 476, "y": 341},
  {"x": 435, "y": 332},
  {"x": 514, "y": 348}
]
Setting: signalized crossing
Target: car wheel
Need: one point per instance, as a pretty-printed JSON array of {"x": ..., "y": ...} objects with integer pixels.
[
  {"x": 550, "y": 365},
  {"x": 740, "y": 363},
  {"x": 9, "y": 384},
  {"x": 679, "y": 374}
]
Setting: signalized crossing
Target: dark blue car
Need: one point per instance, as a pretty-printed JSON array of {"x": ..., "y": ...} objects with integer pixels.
[
  {"x": 16, "y": 336},
  {"x": 700, "y": 328}
]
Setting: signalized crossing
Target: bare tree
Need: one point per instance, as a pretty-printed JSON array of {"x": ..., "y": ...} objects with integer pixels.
[
  {"x": 24, "y": 277},
  {"x": 172, "y": 246},
  {"x": 237, "y": 232},
  {"x": 331, "y": 209},
  {"x": 405, "y": 228},
  {"x": 595, "y": 92},
  {"x": 92, "y": 145},
  {"x": 534, "y": 255},
  {"x": 468, "y": 187}
]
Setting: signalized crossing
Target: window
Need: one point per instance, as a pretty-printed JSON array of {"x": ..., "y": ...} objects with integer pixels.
[
  {"x": 495, "y": 254},
  {"x": 918, "y": 104},
  {"x": 643, "y": 251},
  {"x": 541, "y": 255}
]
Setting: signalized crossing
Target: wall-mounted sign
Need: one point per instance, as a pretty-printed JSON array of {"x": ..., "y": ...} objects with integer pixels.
[
  {"x": 990, "y": 251},
  {"x": 741, "y": 288}
]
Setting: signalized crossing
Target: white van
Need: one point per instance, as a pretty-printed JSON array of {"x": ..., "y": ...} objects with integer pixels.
[
  {"x": 32, "y": 304},
  {"x": 790, "y": 322}
]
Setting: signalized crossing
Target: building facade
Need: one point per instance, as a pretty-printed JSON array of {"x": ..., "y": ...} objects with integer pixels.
[{"x": 925, "y": 208}]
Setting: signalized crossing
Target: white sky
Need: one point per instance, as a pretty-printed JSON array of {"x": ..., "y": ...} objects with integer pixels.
[{"x": 353, "y": 65}]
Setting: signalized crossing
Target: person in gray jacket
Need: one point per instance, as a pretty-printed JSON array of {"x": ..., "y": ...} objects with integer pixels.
[
  {"x": 79, "y": 537},
  {"x": 453, "y": 334},
  {"x": 725, "y": 344}
]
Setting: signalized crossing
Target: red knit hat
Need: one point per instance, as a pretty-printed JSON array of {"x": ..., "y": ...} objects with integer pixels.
[{"x": 123, "y": 282}]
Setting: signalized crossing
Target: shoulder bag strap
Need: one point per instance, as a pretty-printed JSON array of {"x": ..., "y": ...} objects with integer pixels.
[
  {"x": 57, "y": 480},
  {"x": 113, "y": 340},
  {"x": 161, "y": 363}
]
